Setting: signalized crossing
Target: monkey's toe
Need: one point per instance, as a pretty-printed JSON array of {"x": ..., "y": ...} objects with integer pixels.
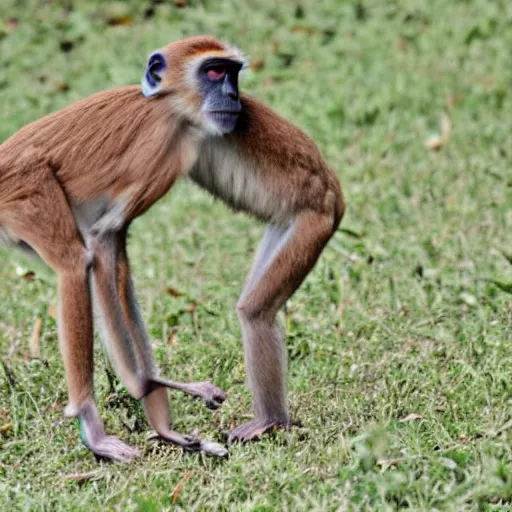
[{"x": 252, "y": 430}]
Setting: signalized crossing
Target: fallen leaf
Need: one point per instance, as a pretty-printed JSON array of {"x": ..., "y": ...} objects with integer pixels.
[
  {"x": 468, "y": 299},
  {"x": 411, "y": 417},
  {"x": 436, "y": 142},
  {"x": 29, "y": 276},
  {"x": 11, "y": 23},
  {"x": 61, "y": 86},
  {"x": 454, "y": 100},
  {"x": 268, "y": 82},
  {"x": 117, "y": 13},
  {"x": 390, "y": 462},
  {"x": 52, "y": 311},
  {"x": 5, "y": 428},
  {"x": 174, "y": 292},
  {"x": 81, "y": 477},
  {"x": 446, "y": 127},
  {"x": 173, "y": 338},
  {"x": 400, "y": 44},
  {"x": 179, "y": 486},
  {"x": 303, "y": 28},
  {"x": 257, "y": 64},
  {"x": 34, "y": 345}
]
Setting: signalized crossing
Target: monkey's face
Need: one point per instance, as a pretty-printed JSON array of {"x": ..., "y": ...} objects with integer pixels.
[
  {"x": 199, "y": 78},
  {"x": 218, "y": 81}
]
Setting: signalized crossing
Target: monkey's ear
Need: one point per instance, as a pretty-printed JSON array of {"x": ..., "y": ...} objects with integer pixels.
[{"x": 153, "y": 74}]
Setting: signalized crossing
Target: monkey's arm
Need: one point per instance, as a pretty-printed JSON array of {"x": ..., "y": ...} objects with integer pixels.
[
  {"x": 271, "y": 169},
  {"x": 285, "y": 258}
]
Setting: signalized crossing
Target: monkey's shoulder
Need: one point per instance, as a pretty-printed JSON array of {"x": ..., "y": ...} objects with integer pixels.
[{"x": 263, "y": 133}]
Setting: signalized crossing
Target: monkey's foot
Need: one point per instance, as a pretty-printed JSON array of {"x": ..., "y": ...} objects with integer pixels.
[
  {"x": 93, "y": 436},
  {"x": 253, "y": 430},
  {"x": 212, "y": 395},
  {"x": 190, "y": 443},
  {"x": 159, "y": 416},
  {"x": 111, "y": 447}
]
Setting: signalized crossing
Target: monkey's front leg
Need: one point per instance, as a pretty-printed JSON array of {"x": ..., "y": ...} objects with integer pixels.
[{"x": 284, "y": 259}]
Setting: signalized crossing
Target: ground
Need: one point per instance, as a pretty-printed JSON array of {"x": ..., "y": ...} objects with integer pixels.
[{"x": 399, "y": 342}]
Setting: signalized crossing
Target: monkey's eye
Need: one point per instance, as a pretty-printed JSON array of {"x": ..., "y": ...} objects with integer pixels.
[{"x": 216, "y": 73}]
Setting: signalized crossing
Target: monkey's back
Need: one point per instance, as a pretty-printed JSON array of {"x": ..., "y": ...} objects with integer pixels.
[{"x": 95, "y": 145}]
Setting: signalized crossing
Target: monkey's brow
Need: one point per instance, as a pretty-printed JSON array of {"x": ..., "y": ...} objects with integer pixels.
[{"x": 219, "y": 61}]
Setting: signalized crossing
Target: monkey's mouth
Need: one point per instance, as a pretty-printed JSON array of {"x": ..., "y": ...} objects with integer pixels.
[
  {"x": 224, "y": 120},
  {"x": 223, "y": 116}
]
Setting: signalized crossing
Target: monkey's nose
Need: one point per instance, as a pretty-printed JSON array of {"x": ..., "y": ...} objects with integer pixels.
[{"x": 230, "y": 90}]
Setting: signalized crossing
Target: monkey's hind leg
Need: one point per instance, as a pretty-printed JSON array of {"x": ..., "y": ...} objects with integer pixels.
[
  {"x": 130, "y": 349},
  {"x": 284, "y": 259},
  {"x": 212, "y": 395},
  {"x": 43, "y": 219}
]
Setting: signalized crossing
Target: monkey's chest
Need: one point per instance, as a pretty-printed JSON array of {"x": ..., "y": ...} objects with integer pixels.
[{"x": 240, "y": 185}]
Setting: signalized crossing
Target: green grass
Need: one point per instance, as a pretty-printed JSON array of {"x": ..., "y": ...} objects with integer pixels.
[{"x": 403, "y": 314}]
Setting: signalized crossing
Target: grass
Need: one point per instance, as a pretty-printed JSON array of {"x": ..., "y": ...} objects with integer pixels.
[{"x": 399, "y": 341}]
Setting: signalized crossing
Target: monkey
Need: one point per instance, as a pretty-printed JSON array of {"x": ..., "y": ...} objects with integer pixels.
[{"x": 72, "y": 182}]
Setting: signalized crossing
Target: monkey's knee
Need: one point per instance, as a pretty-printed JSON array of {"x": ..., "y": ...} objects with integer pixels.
[
  {"x": 247, "y": 312},
  {"x": 137, "y": 386}
]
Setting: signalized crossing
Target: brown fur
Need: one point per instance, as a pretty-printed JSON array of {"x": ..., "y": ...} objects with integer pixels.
[{"x": 71, "y": 183}]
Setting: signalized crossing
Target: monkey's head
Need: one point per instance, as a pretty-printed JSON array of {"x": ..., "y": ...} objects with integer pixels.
[{"x": 199, "y": 76}]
